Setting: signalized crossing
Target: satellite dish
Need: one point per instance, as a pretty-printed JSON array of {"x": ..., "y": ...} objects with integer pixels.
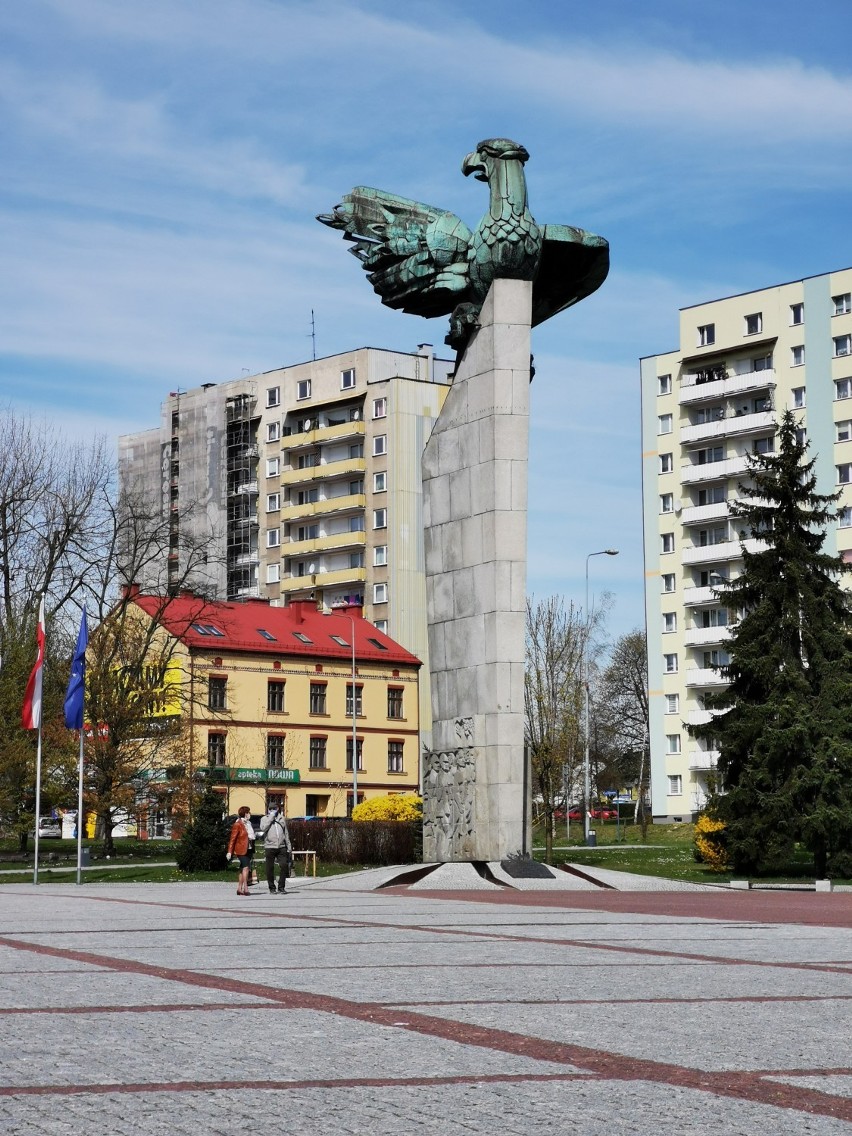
[
  {"x": 678, "y": 505},
  {"x": 356, "y": 415},
  {"x": 308, "y": 424}
]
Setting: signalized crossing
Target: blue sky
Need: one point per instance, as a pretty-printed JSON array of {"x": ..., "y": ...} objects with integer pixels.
[{"x": 164, "y": 160}]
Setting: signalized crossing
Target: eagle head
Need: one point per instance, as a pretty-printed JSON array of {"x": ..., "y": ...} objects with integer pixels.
[{"x": 481, "y": 161}]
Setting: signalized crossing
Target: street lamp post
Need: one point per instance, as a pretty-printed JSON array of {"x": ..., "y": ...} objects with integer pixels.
[
  {"x": 341, "y": 615},
  {"x": 587, "y": 787}
]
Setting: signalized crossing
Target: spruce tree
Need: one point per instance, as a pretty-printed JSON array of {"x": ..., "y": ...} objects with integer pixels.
[
  {"x": 785, "y": 731},
  {"x": 204, "y": 842}
]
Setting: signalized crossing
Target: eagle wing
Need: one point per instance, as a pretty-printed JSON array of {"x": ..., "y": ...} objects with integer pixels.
[
  {"x": 415, "y": 255},
  {"x": 573, "y": 264}
]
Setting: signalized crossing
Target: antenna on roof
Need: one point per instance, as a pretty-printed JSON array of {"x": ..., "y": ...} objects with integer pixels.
[{"x": 313, "y": 335}]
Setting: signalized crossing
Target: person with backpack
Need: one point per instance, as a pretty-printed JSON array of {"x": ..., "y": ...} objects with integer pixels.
[
  {"x": 241, "y": 845},
  {"x": 276, "y": 846}
]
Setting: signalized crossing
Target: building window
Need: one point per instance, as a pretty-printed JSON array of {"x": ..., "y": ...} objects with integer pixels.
[
  {"x": 380, "y": 518},
  {"x": 307, "y": 532},
  {"x": 844, "y": 517},
  {"x": 395, "y": 701},
  {"x": 669, "y": 583},
  {"x": 844, "y": 473},
  {"x": 318, "y": 693},
  {"x": 380, "y": 445},
  {"x": 356, "y": 450},
  {"x": 843, "y": 388},
  {"x": 842, "y": 304},
  {"x": 303, "y": 389},
  {"x": 380, "y": 482},
  {"x": 307, "y": 496},
  {"x": 217, "y": 688},
  {"x": 273, "y": 573},
  {"x": 347, "y": 379},
  {"x": 764, "y": 446},
  {"x": 844, "y": 431},
  {"x": 273, "y": 538},
  {"x": 275, "y": 696},
  {"x": 359, "y": 705},
  {"x": 706, "y": 335},
  {"x": 664, "y": 384},
  {"x": 715, "y": 495},
  {"x": 273, "y": 467},
  {"x": 798, "y": 394},
  {"x": 356, "y": 524},
  {"x": 672, "y": 703},
  {"x": 381, "y": 625},
  {"x": 672, "y": 743},
  {"x": 666, "y": 463},
  {"x": 216, "y": 749},
  {"x": 356, "y": 488},
  {"x": 797, "y": 314},
  {"x": 356, "y": 559},
  {"x": 711, "y": 455},
  {"x": 754, "y": 324},
  {"x": 675, "y": 785},
  {"x": 380, "y": 593},
  {"x": 669, "y": 621},
  {"x": 273, "y": 502},
  {"x": 275, "y": 751},
  {"x": 395, "y": 752},
  {"x": 317, "y": 752},
  {"x": 666, "y": 502},
  {"x": 842, "y": 345},
  {"x": 380, "y": 407},
  {"x": 667, "y": 542},
  {"x": 664, "y": 424},
  {"x": 380, "y": 555},
  {"x": 797, "y": 355},
  {"x": 273, "y": 431},
  {"x": 670, "y": 663},
  {"x": 360, "y": 755},
  {"x": 273, "y": 396}
]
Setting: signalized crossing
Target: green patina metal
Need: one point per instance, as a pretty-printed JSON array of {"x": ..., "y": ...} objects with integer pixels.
[{"x": 426, "y": 261}]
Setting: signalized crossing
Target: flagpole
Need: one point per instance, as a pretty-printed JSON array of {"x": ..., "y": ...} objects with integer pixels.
[
  {"x": 80, "y": 813},
  {"x": 37, "y": 802}
]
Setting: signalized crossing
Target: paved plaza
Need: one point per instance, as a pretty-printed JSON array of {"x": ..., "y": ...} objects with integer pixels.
[{"x": 183, "y": 1008}]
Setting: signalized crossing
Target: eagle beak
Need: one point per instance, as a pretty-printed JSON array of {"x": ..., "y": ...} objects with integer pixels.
[{"x": 473, "y": 164}]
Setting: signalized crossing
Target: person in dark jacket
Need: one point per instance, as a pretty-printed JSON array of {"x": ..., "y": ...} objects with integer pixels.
[{"x": 277, "y": 848}]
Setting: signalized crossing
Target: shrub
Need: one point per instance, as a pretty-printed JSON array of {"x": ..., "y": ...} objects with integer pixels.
[
  {"x": 204, "y": 842},
  {"x": 368, "y": 842},
  {"x": 710, "y": 846},
  {"x": 406, "y": 806}
]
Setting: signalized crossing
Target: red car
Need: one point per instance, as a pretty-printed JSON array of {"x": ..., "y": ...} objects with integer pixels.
[{"x": 604, "y": 813}]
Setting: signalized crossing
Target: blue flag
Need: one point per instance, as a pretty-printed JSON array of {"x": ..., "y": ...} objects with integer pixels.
[{"x": 77, "y": 683}]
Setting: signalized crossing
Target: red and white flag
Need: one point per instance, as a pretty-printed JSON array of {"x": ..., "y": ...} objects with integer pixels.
[{"x": 31, "y": 713}]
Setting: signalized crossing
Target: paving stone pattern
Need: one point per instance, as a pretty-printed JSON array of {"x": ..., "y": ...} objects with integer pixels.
[{"x": 157, "y": 1008}]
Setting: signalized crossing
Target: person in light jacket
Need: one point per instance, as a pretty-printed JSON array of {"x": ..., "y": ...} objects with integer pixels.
[
  {"x": 241, "y": 844},
  {"x": 277, "y": 847}
]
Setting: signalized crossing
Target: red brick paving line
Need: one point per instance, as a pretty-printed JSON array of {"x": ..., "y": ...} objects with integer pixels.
[
  {"x": 465, "y": 932},
  {"x": 814, "y": 909},
  {"x": 749, "y": 1086}
]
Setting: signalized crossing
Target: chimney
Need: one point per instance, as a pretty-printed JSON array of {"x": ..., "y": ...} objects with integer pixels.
[{"x": 130, "y": 591}]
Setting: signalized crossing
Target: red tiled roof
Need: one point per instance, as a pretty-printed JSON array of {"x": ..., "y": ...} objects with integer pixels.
[{"x": 257, "y": 627}]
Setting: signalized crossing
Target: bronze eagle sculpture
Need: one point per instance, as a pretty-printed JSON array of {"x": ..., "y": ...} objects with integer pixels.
[{"x": 427, "y": 262}]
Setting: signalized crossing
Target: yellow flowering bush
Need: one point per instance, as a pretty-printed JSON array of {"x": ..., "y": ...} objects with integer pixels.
[
  {"x": 402, "y": 806},
  {"x": 710, "y": 843}
]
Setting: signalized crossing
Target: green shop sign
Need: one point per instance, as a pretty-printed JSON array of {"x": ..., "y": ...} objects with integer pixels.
[{"x": 254, "y": 776}]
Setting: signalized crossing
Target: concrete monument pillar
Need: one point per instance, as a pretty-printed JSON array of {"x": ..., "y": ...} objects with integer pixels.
[{"x": 475, "y": 512}]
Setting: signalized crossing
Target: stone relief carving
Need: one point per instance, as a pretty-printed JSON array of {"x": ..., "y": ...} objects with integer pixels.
[{"x": 449, "y": 777}]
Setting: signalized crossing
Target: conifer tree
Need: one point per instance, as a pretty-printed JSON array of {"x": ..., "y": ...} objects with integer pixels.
[
  {"x": 785, "y": 729},
  {"x": 204, "y": 841}
]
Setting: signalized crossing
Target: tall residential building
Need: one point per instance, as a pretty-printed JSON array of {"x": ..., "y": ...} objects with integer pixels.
[
  {"x": 742, "y": 360},
  {"x": 304, "y": 482}
]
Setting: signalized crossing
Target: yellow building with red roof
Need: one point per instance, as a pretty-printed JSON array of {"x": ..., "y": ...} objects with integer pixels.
[{"x": 267, "y": 694}]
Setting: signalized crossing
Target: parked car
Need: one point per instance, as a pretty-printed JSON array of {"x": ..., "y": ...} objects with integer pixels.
[
  {"x": 574, "y": 813},
  {"x": 49, "y": 828},
  {"x": 604, "y": 813}
]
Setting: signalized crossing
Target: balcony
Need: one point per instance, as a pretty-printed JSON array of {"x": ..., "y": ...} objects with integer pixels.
[
  {"x": 703, "y": 759},
  {"x": 715, "y": 553},
  {"x": 338, "y": 541},
  {"x": 731, "y": 426},
  {"x": 698, "y": 636},
  {"x": 347, "y": 467},
  {"x": 696, "y": 597},
  {"x": 244, "y": 559},
  {"x": 704, "y": 676},
  {"x": 713, "y": 471},
  {"x": 692, "y": 391},
  {"x": 246, "y": 487},
  {"x": 323, "y": 435},
  {"x": 701, "y": 717},
  {"x": 345, "y": 503},
  {"x": 324, "y": 580},
  {"x": 696, "y": 514}
]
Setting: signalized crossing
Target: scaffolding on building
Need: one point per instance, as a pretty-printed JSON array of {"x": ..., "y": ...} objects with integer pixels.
[{"x": 241, "y": 454}]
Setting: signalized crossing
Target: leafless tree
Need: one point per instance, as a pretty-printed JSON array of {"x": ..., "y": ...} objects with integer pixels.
[{"x": 622, "y": 706}]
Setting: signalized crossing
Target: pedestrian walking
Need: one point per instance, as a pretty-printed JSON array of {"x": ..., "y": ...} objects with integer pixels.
[
  {"x": 277, "y": 847},
  {"x": 241, "y": 845}
]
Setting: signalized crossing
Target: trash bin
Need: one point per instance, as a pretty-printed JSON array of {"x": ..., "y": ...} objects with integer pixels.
[
  {"x": 85, "y": 858},
  {"x": 592, "y": 839}
]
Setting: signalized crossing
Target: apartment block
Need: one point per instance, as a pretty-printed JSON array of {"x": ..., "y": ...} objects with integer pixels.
[
  {"x": 303, "y": 483},
  {"x": 742, "y": 360}
]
